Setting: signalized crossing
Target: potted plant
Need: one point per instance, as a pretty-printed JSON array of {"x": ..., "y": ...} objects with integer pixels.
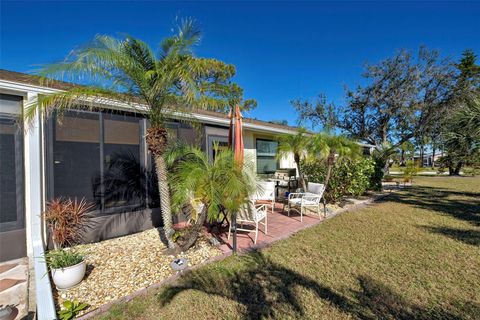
[
  {"x": 67, "y": 220},
  {"x": 66, "y": 266}
]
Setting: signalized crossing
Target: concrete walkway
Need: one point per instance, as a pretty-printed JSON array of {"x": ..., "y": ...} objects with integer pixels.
[{"x": 14, "y": 287}]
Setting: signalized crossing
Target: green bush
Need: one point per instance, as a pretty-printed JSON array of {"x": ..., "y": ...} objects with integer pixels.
[
  {"x": 411, "y": 170},
  {"x": 70, "y": 309},
  {"x": 388, "y": 178},
  {"x": 349, "y": 177},
  {"x": 378, "y": 172},
  {"x": 470, "y": 171}
]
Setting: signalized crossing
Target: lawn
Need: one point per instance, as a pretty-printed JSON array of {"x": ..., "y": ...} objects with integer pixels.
[{"x": 414, "y": 255}]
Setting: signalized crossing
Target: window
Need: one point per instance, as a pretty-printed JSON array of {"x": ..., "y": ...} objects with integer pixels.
[
  {"x": 99, "y": 157},
  {"x": 266, "y": 156},
  {"x": 215, "y": 144},
  {"x": 76, "y": 155},
  {"x": 122, "y": 177}
]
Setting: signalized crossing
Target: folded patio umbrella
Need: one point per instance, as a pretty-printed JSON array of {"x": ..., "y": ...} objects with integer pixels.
[
  {"x": 235, "y": 134},
  {"x": 235, "y": 141}
]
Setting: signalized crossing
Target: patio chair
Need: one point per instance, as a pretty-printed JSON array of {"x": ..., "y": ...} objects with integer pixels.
[
  {"x": 307, "y": 200},
  {"x": 265, "y": 192},
  {"x": 251, "y": 213}
]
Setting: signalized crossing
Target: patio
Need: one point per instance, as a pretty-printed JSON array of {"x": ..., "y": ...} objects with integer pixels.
[{"x": 280, "y": 226}]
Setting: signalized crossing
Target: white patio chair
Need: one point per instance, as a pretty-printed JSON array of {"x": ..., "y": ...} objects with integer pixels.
[
  {"x": 265, "y": 192},
  {"x": 307, "y": 200},
  {"x": 251, "y": 213}
]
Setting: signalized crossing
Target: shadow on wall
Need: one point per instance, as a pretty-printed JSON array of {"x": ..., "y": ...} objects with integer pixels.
[
  {"x": 131, "y": 199},
  {"x": 268, "y": 290}
]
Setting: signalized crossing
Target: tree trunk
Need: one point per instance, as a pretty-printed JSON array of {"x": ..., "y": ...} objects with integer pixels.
[
  {"x": 386, "y": 168},
  {"x": 421, "y": 155},
  {"x": 164, "y": 191},
  {"x": 457, "y": 168},
  {"x": 190, "y": 238},
  {"x": 402, "y": 158},
  {"x": 330, "y": 164},
  {"x": 300, "y": 174},
  {"x": 433, "y": 156}
]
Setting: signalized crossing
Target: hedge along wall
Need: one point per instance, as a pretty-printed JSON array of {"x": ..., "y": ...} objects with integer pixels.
[{"x": 349, "y": 177}]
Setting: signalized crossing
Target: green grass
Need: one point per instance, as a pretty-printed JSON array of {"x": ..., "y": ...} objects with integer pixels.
[{"x": 414, "y": 255}]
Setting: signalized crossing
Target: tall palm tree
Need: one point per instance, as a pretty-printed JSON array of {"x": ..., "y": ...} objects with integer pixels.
[
  {"x": 298, "y": 145},
  {"x": 160, "y": 84},
  {"x": 221, "y": 183},
  {"x": 331, "y": 148}
]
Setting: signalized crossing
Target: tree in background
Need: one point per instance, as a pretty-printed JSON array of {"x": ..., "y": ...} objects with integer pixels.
[
  {"x": 459, "y": 128},
  {"x": 169, "y": 81},
  {"x": 407, "y": 150},
  {"x": 298, "y": 144},
  {"x": 403, "y": 98},
  {"x": 462, "y": 137}
]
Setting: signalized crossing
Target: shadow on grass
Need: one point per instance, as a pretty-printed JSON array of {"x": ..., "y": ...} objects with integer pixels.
[
  {"x": 467, "y": 236},
  {"x": 266, "y": 290},
  {"x": 441, "y": 200}
]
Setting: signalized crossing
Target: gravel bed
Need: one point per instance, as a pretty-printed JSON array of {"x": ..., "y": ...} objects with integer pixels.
[{"x": 122, "y": 266}]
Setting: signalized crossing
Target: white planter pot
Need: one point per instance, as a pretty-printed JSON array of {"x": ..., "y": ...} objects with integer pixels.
[{"x": 68, "y": 277}]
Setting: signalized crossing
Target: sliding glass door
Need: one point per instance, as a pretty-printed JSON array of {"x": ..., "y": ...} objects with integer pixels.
[
  {"x": 100, "y": 157},
  {"x": 12, "y": 214}
]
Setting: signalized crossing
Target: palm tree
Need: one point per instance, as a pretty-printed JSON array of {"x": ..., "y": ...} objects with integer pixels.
[
  {"x": 331, "y": 148},
  {"x": 221, "y": 183},
  {"x": 128, "y": 70},
  {"x": 298, "y": 145}
]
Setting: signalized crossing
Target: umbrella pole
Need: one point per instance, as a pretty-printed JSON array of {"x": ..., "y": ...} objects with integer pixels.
[{"x": 234, "y": 222}]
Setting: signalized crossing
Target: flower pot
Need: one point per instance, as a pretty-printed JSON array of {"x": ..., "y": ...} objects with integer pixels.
[{"x": 70, "y": 276}]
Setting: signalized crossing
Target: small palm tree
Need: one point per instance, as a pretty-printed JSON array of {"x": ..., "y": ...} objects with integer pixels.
[
  {"x": 331, "y": 148},
  {"x": 218, "y": 184},
  {"x": 297, "y": 144},
  {"x": 128, "y": 70}
]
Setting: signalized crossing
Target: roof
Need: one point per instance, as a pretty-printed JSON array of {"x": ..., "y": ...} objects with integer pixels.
[{"x": 34, "y": 80}]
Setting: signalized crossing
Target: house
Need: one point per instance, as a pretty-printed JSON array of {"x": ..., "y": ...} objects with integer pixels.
[
  {"x": 428, "y": 159},
  {"x": 85, "y": 155}
]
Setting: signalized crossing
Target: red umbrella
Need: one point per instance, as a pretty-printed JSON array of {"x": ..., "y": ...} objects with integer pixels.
[{"x": 235, "y": 140}]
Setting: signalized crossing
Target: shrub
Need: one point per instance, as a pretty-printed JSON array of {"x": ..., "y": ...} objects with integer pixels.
[
  {"x": 387, "y": 178},
  {"x": 67, "y": 220},
  {"x": 70, "y": 309},
  {"x": 377, "y": 176},
  {"x": 470, "y": 171},
  {"x": 349, "y": 177},
  {"x": 411, "y": 170},
  {"x": 59, "y": 259}
]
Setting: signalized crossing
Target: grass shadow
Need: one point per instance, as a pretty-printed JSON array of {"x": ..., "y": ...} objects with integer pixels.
[
  {"x": 466, "y": 208},
  {"x": 266, "y": 289},
  {"x": 467, "y": 236}
]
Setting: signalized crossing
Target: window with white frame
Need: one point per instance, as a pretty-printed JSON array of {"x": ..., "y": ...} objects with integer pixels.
[{"x": 266, "y": 156}]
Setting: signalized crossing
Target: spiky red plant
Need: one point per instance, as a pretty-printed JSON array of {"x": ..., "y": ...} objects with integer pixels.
[{"x": 67, "y": 220}]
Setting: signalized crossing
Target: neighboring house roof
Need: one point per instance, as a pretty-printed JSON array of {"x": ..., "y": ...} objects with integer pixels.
[{"x": 33, "y": 80}]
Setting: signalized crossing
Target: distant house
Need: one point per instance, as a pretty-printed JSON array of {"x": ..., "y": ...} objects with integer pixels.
[
  {"x": 428, "y": 159},
  {"x": 77, "y": 156}
]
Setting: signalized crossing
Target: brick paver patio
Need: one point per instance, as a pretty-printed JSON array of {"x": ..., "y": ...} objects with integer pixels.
[{"x": 280, "y": 226}]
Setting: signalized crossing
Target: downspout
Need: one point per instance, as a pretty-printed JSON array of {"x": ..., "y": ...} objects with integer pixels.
[{"x": 34, "y": 205}]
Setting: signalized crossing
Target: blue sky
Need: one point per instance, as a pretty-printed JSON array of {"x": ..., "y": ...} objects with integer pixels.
[{"x": 282, "y": 50}]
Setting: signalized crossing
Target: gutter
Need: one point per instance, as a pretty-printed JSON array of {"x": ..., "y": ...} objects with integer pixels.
[
  {"x": 142, "y": 108},
  {"x": 33, "y": 205}
]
